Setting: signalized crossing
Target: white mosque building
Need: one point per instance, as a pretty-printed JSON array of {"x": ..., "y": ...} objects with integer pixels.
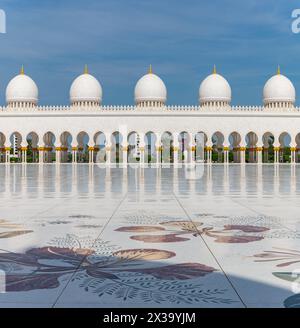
[{"x": 149, "y": 131}]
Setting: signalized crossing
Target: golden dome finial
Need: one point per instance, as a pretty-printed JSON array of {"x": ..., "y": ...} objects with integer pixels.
[
  {"x": 278, "y": 70},
  {"x": 86, "y": 69},
  {"x": 22, "y": 72},
  {"x": 150, "y": 69},
  {"x": 215, "y": 69}
]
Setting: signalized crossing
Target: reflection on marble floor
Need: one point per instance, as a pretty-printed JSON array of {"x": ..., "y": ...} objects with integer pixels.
[{"x": 84, "y": 236}]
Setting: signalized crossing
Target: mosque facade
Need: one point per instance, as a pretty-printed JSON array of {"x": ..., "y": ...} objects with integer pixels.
[{"x": 150, "y": 131}]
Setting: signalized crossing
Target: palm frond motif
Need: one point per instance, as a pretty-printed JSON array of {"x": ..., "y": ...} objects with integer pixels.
[
  {"x": 286, "y": 257},
  {"x": 14, "y": 229},
  {"x": 126, "y": 274},
  {"x": 178, "y": 231}
]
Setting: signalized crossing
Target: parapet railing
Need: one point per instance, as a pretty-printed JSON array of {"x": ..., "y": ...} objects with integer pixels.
[{"x": 130, "y": 108}]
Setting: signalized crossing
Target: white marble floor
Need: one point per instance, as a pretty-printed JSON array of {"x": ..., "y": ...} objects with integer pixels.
[{"x": 84, "y": 236}]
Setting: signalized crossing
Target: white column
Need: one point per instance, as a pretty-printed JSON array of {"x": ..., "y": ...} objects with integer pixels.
[
  {"x": 142, "y": 150},
  {"x": 125, "y": 154},
  {"x": 209, "y": 149},
  {"x": 252, "y": 148},
  {"x": 191, "y": 153},
  {"x": 259, "y": 151},
  {"x": 276, "y": 153},
  {"x": 158, "y": 153},
  {"x": 22, "y": 156},
  {"x": 21, "y": 153},
  {"x": 175, "y": 153},
  {"x": 74, "y": 154},
  {"x": 108, "y": 154},
  {"x": 293, "y": 154},
  {"x": 91, "y": 154},
  {"x": 242, "y": 154},
  {"x": 157, "y": 148},
  {"x": 226, "y": 154},
  {"x": 7, "y": 154},
  {"x": 191, "y": 149},
  {"x": 41, "y": 155},
  {"x": 57, "y": 155}
]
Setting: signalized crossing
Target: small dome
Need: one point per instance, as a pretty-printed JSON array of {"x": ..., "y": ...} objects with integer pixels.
[
  {"x": 279, "y": 89},
  {"x": 150, "y": 87},
  {"x": 214, "y": 88},
  {"x": 22, "y": 89},
  {"x": 86, "y": 88}
]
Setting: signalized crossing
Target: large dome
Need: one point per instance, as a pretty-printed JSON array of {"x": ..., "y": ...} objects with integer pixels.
[
  {"x": 214, "y": 88},
  {"x": 150, "y": 88},
  {"x": 86, "y": 88},
  {"x": 22, "y": 89},
  {"x": 279, "y": 89}
]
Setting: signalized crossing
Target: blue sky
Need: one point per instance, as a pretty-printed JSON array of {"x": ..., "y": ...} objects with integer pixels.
[{"x": 118, "y": 39}]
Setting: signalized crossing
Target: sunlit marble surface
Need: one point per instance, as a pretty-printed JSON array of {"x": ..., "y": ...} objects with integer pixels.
[{"x": 84, "y": 236}]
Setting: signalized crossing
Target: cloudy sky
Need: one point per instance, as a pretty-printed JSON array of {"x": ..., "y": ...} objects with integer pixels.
[{"x": 118, "y": 39}]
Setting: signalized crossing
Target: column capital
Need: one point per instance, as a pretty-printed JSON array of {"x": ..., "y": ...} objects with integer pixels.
[{"x": 61, "y": 148}]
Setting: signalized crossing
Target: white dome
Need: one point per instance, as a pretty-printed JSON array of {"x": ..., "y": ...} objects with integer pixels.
[
  {"x": 86, "y": 88},
  {"x": 279, "y": 89},
  {"x": 150, "y": 87},
  {"x": 214, "y": 88},
  {"x": 22, "y": 89}
]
